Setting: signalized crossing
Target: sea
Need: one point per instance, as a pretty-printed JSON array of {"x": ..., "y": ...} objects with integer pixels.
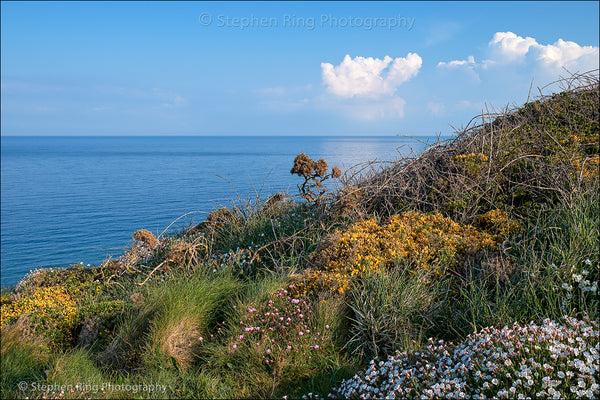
[{"x": 66, "y": 200}]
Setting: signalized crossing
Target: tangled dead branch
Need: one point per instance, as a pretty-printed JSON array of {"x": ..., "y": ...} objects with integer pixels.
[{"x": 514, "y": 160}]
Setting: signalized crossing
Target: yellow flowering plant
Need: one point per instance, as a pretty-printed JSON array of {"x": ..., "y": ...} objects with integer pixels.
[
  {"x": 497, "y": 223},
  {"x": 51, "y": 308},
  {"x": 427, "y": 241},
  {"x": 470, "y": 164},
  {"x": 54, "y": 302}
]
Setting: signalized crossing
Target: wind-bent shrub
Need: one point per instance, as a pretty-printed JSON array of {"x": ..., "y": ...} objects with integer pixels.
[{"x": 314, "y": 174}]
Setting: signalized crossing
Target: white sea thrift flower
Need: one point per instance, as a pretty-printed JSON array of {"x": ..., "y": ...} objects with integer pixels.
[{"x": 468, "y": 369}]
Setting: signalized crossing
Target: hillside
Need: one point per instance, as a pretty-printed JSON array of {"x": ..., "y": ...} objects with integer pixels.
[{"x": 469, "y": 270}]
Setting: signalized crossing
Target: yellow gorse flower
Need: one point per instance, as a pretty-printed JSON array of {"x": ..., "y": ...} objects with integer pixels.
[
  {"x": 427, "y": 241},
  {"x": 470, "y": 164},
  {"x": 496, "y": 222},
  {"x": 588, "y": 167},
  {"x": 49, "y": 306},
  {"x": 472, "y": 157}
]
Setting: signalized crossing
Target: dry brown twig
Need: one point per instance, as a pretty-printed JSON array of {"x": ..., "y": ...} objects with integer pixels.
[{"x": 518, "y": 166}]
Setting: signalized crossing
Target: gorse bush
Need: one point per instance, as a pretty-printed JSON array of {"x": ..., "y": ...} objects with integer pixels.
[
  {"x": 427, "y": 242},
  {"x": 55, "y": 302},
  {"x": 497, "y": 223},
  {"x": 470, "y": 164},
  {"x": 53, "y": 305}
]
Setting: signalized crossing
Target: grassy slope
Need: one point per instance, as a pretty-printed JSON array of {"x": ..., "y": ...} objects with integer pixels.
[{"x": 287, "y": 298}]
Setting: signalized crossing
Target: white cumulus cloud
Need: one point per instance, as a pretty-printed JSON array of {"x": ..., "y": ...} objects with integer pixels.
[
  {"x": 369, "y": 76},
  {"x": 569, "y": 54},
  {"x": 509, "y": 47},
  {"x": 470, "y": 61}
]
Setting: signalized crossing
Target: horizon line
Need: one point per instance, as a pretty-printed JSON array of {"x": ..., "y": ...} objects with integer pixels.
[{"x": 228, "y": 135}]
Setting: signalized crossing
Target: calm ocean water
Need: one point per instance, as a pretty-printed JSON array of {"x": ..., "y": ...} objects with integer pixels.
[{"x": 71, "y": 199}]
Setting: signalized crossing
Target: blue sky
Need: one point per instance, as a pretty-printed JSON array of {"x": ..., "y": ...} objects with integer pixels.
[{"x": 290, "y": 68}]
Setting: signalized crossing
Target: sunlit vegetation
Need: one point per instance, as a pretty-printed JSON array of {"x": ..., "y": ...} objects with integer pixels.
[{"x": 468, "y": 271}]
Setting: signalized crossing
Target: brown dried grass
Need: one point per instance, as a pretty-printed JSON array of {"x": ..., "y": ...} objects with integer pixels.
[
  {"x": 146, "y": 236},
  {"x": 23, "y": 330},
  {"x": 183, "y": 254},
  {"x": 181, "y": 342},
  {"x": 498, "y": 269}
]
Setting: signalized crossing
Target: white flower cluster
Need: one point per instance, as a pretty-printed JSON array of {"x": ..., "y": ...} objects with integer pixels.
[
  {"x": 31, "y": 277},
  {"x": 34, "y": 274},
  {"x": 240, "y": 259},
  {"x": 579, "y": 280},
  {"x": 521, "y": 362},
  {"x": 584, "y": 284}
]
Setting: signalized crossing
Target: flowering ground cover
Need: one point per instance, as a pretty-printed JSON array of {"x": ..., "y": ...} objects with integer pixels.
[{"x": 532, "y": 361}]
